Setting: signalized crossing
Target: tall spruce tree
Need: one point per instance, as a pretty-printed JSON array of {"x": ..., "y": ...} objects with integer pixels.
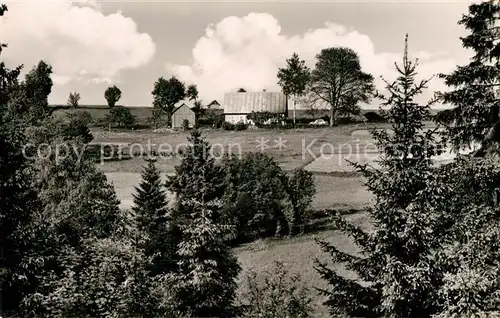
[
  {"x": 153, "y": 220},
  {"x": 474, "y": 85},
  {"x": 393, "y": 275},
  {"x": 205, "y": 284}
]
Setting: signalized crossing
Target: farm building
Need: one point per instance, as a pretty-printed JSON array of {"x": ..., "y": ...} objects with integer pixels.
[
  {"x": 182, "y": 112},
  {"x": 238, "y": 105},
  {"x": 214, "y": 105}
]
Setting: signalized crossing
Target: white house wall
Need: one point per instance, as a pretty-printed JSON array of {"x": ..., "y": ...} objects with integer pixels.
[{"x": 245, "y": 103}]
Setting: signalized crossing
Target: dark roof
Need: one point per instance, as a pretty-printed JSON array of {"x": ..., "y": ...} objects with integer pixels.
[{"x": 178, "y": 107}]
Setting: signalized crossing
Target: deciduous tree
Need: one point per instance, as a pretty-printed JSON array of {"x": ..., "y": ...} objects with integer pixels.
[
  {"x": 73, "y": 99},
  {"x": 167, "y": 93},
  {"x": 192, "y": 92},
  {"x": 338, "y": 80},
  {"x": 38, "y": 86},
  {"x": 112, "y": 95},
  {"x": 121, "y": 117}
]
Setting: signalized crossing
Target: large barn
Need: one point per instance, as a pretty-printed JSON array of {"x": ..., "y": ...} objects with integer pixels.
[{"x": 238, "y": 105}]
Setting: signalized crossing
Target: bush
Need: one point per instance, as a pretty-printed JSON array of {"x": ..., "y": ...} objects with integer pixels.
[
  {"x": 75, "y": 126},
  {"x": 240, "y": 126},
  {"x": 185, "y": 124},
  {"x": 253, "y": 196},
  {"x": 218, "y": 121},
  {"x": 83, "y": 116},
  {"x": 374, "y": 117},
  {"x": 211, "y": 119},
  {"x": 228, "y": 126},
  {"x": 121, "y": 117},
  {"x": 261, "y": 119},
  {"x": 261, "y": 199},
  {"x": 275, "y": 293},
  {"x": 300, "y": 188}
]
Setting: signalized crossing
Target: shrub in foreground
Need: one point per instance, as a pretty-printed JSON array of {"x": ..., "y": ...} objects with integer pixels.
[
  {"x": 275, "y": 293},
  {"x": 240, "y": 126},
  {"x": 228, "y": 126}
]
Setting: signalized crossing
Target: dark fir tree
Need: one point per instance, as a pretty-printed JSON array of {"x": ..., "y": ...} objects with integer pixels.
[
  {"x": 394, "y": 255},
  {"x": 205, "y": 284},
  {"x": 197, "y": 176},
  {"x": 474, "y": 86},
  {"x": 153, "y": 221}
]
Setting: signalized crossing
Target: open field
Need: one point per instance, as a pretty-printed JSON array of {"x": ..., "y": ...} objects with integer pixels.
[
  {"x": 319, "y": 150},
  {"x": 331, "y": 192},
  {"x": 100, "y": 111},
  {"x": 298, "y": 147},
  {"x": 298, "y": 254}
]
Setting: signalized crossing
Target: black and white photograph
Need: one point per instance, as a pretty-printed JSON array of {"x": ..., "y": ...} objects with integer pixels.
[{"x": 250, "y": 159}]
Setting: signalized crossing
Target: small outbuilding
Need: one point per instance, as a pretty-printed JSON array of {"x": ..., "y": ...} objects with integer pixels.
[{"x": 183, "y": 112}]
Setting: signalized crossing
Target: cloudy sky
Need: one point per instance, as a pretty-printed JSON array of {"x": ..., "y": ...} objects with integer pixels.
[{"x": 219, "y": 45}]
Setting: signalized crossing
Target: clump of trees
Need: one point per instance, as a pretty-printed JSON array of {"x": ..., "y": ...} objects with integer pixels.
[
  {"x": 262, "y": 199},
  {"x": 67, "y": 250},
  {"x": 336, "y": 80},
  {"x": 167, "y": 93}
]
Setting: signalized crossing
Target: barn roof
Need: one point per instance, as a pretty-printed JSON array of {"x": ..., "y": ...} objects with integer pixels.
[
  {"x": 181, "y": 103},
  {"x": 245, "y": 103}
]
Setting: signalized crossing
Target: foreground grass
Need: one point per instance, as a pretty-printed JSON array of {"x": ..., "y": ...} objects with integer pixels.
[{"x": 298, "y": 253}]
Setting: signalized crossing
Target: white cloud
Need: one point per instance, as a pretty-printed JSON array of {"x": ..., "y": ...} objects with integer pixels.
[
  {"x": 75, "y": 37},
  {"x": 247, "y": 51}
]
